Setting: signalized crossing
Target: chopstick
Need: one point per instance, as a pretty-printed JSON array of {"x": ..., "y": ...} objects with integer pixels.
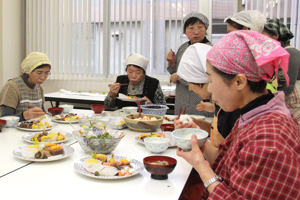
[
  {"x": 45, "y": 112},
  {"x": 180, "y": 111},
  {"x": 139, "y": 107}
]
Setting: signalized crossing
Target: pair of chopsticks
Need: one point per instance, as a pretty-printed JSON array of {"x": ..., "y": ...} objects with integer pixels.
[
  {"x": 120, "y": 84},
  {"x": 32, "y": 107},
  {"x": 180, "y": 111},
  {"x": 139, "y": 107}
]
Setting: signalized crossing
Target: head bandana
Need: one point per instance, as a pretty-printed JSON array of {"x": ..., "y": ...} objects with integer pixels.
[
  {"x": 249, "y": 53},
  {"x": 252, "y": 19},
  {"x": 198, "y": 15},
  {"x": 280, "y": 29},
  {"x": 192, "y": 66},
  {"x": 34, "y": 60},
  {"x": 136, "y": 59}
]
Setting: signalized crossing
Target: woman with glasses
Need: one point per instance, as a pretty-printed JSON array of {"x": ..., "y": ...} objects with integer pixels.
[
  {"x": 25, "y": 90},
  {"x": 195, "y": 26}
]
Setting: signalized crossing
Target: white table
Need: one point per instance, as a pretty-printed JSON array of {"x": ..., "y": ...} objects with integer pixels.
[
  {"x": 58, "y": 179},
  {"x": 83, "y": 98}
]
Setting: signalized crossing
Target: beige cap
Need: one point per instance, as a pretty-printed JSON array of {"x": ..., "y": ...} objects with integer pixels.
[
  {"x": 34, "y": 60},
  {"x": 252, "y": 19},
  {"x": 136, "y": 59}
]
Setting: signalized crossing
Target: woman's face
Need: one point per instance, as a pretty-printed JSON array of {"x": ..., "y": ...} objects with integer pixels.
[
  {"x": 135, "y": 74},
  {"x": 38, "y": 76},
  {"x": 196, "y": 32},
  {"x": 230, "y": 28},
  {"x": 226, "y": 96}
]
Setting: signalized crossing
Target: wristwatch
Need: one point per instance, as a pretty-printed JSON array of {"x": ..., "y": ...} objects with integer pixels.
[{"x": 212, "y": 180}]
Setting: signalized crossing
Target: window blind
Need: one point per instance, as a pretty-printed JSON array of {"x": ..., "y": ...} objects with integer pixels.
[{"x": 89, "y": 39}]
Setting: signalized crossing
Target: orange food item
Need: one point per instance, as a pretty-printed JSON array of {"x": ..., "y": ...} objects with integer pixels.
[{"x": 123, "y": 173}]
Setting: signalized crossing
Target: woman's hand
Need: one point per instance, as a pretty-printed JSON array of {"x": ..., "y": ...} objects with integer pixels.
[
  {"x": 33, "y": 113},
  {"x": 174, "y": 78},
  {"x": 147, "y": 100},
  {"x": 114, "y": 89},
  {"x": 171, "y": 58},
  {"x": 178, "y": 124},
  {"x": 206, "y": 106}
]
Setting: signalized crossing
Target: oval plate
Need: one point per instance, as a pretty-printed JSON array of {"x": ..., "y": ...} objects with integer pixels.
[
  {"x": 27, "y": 137},
  {"x": 32, "y": 129},
  {"x": 65, "y": 122},
  {"x": 168, "y": 134},
  {"x": 137, "y": 165},
  {"x": 68, "y": 151}
]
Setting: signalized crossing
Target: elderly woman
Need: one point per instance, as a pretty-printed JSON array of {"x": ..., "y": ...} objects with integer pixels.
[
  {"x": 137, "y": 83},
  {"x": 260, "y": 157},
  {"x": 26, "y": 90},
  {"x": 276, "y": 30},
  {"x": 195, "y": 26}
]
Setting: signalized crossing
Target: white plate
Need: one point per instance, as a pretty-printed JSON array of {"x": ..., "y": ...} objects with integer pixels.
[
  {"x": 168, "y": 134},
  {"x": 27, "y": 137},
  {"x": 32, "y": 129},
  {"x": 65, "y": 122},
  {"x": 67, "y": 152},
  {"x": 137, "y": 165},
  {"x": 125, "y": 98}
]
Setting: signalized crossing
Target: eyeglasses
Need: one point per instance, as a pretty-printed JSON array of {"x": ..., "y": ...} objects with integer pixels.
[
  {"x": 192, "y": 29},
  {"x": 43, "y": 73}
]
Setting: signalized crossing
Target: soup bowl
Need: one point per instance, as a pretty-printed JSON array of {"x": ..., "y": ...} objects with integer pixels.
[
  {"x": 55, "y": 110},
  {"x": 2, "y": 124},
  {"x": 159, "y": 166}
]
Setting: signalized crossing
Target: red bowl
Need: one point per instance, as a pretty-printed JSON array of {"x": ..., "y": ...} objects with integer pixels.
[
  {"x": 159, "y": 172},
  {"x": 55, "y": 110},
  {"x": 98, "y": 108},
  {"x": 167, "y": 127},
  {"x": 2, "y": 124}
]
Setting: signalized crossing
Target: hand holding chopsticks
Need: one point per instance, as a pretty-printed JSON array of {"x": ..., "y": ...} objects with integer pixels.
[{"x": 30, "y": 107}]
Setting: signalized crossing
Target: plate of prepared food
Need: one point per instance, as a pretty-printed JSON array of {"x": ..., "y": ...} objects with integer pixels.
[
  {"x": 129, "y": 98},
  {"x": 167, "y": 134},
  {"x": 43, "y": 152},
  {"x": 66, "y": 119},
  {"x": 35, "y": 125},
  {"x": 48, "y": 136},
  {"x": 101, "y": 166}
]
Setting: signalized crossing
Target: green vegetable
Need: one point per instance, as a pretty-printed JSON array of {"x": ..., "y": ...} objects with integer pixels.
[{"x": 97, "y": 173}]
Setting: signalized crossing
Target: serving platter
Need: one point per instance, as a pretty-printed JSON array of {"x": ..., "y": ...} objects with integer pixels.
[
  {"x": 27, "y": 137},
  {"x": 67, "y": 152},
  {"x": 137, "y": 165}
]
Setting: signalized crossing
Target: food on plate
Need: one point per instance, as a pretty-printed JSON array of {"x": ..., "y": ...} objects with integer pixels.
[
  {"x": 146, "y": 118},
  {"x": 42, "y": 151},
  {"x": 106, "y": 167},
  {"x": 145, "y": 135},
  {"x": 185, "y": 119},
  {"x": 49, "y": 137},
  {"x": 167, "y": 118},
  {"x": 68, "y": 117},
  {"x": 36, "y": 124},
  {"x": 160, "y": 162},
  {"x": 132, "y": 97},
  {"x": 119, "y": 123}
]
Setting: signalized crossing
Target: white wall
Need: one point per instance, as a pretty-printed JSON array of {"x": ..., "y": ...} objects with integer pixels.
[{"x": 12, "y": 38}]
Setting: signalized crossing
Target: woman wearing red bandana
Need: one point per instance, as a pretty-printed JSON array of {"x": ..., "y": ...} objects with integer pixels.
[{"x": 260, "y": 157}]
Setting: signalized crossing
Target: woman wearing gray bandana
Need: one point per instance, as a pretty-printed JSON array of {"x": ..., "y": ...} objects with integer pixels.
[
  {"x": 275, "y": 29},
  {"x": 195, "y": 26}
]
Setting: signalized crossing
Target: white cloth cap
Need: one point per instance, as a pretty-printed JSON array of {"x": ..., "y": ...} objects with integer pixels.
[
  {"x": 192, "y": 66},
  {"x": 252, "y": 19},
  {"x": 198, "y": 15},
  {"x": 136, "y": 59},
  {"x": 34, "y": 60}
]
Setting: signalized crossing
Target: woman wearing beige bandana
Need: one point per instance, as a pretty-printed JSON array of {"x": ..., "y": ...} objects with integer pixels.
[{"x": 25, "y": 90}]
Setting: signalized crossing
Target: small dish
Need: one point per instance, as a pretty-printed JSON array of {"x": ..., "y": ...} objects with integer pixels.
[{"x": 156, "y": 144}]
